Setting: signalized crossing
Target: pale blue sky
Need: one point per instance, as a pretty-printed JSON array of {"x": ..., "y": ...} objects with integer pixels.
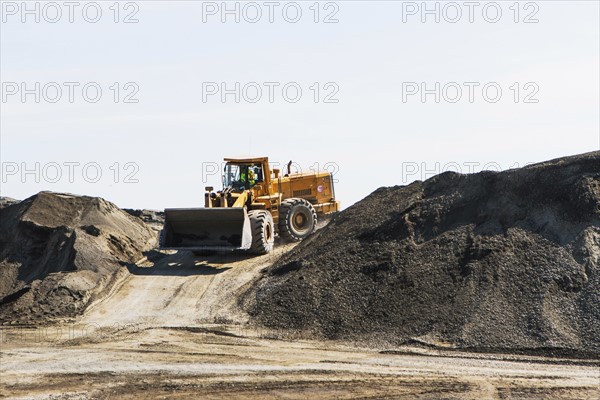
[{"x": 369, "y": 133}]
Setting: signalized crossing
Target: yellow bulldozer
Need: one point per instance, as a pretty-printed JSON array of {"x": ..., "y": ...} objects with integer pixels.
[{"x": 255, "y": 204}]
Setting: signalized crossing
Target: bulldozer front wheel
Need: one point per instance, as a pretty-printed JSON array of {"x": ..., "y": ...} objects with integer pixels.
[
  {"x": 297, "y": 219},
  {"x": 263, "y": 235}
]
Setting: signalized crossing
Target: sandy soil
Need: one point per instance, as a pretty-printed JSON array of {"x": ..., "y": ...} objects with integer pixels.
[{"x": 171, "y": 328}]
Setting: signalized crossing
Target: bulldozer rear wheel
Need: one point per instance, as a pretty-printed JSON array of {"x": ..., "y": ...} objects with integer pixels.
[
  {"x": 263, "y": 234},
  {"x": 297, "y": 219}
]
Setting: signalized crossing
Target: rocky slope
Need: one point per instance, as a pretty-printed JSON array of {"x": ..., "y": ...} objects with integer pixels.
[
  {"x": 507, "y": 261},
  {"x": 58, "y": 251}
]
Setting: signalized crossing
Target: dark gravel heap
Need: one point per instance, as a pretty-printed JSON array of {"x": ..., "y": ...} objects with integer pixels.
[
  {"x": 506, "y": 261},
  {"x": 58, "y": 251}
]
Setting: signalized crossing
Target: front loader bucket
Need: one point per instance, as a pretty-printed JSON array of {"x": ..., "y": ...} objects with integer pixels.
[{"x": 206, "y": 229}]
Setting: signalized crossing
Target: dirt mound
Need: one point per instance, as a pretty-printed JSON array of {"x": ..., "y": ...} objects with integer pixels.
[
  {"x": 7, "y": 201},
  {"x": 491, "y": 260},
  {"x": 154, "y": 219},
  {"x": 58, "y": 251}
]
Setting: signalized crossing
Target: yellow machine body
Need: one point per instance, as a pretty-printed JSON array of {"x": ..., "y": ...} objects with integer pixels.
[{"x": 248, "y": 184}]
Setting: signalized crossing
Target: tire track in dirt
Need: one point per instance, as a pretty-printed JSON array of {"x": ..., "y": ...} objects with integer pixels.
[{"x": 180, "y": 289}]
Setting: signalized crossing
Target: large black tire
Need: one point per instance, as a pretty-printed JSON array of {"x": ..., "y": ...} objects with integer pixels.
[
  {"x": 297, "y": 219},
  {"x": 263, "y": 234}
]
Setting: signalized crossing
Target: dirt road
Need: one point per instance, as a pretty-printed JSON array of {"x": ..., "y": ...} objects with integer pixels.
[
  {"x": 171, "y": 329},
  {"x": 179, "y": 289}
]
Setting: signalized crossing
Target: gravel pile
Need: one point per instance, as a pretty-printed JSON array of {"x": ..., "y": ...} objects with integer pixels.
[
  {"x": 59, "y": 251},
  {"x": 504, "y": 261}
]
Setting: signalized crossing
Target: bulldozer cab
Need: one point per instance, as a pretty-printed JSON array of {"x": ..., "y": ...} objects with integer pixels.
[{"x": 239, "y": 177}]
